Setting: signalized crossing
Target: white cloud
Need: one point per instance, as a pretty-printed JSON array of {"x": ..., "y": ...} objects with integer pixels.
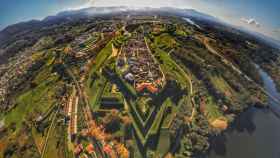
[
  {"x": 251, "y": 21},
  {"x": 229, "y": 16},
  {"x": 134, "y": 3},
  {"x": 89, "y": 3},
  {"x": 276, "y": 33}
]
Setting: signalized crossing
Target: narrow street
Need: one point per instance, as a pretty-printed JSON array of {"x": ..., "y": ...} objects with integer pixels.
[{"x": 163, "y": 75}]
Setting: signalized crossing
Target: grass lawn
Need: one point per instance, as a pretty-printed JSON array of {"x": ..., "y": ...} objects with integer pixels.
[
  {"x": 159, "y": 118},
  {"x": 169, "y": 116},
  {"x": 39, "y": 139},
  {"x": 222, "y": 86},
  {"x": 95, "y": 90},
  {"x": 101, "y": 58},
  {"x": 164, "y": 142},
  {"x": 212, "y": 110},
  {"x": 170, "y": 66},
  {"x": 57, "y": 143},
  {"x": 167, "y": 41}
]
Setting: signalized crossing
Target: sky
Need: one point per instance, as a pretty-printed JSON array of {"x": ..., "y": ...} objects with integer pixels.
[{"x": 258, "y": 15}]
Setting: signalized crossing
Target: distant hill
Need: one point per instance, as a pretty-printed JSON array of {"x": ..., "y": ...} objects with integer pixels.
[
  {"x": 74, "y": 14},
  {"x": 26, "y": 34}
]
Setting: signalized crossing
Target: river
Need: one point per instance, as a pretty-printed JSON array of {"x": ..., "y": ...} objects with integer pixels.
[{"x": 254, "y": 134}]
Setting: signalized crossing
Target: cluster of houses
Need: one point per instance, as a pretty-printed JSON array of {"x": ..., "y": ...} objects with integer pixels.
[
  {"x": 88, "y": 40},
  {"x": 11, "y": 71},
  {"x": 141, "y": 69},
  {"x": 89, "y": 150},
  {"x": 100, "y": 144},
  {"x": 84, "y": 43}
]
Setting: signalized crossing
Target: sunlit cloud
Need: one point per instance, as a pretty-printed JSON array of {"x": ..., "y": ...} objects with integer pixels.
[
  {"x": 222, "y": 13},
  {"x": 134, "y": 3},
  {"x": 251, "y": 21}
]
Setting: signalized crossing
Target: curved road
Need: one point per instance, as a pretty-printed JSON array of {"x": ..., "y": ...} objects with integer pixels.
[{"x": 205, "y": 41}]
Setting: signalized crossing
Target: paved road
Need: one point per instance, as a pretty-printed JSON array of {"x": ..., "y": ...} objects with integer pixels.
[
  {"x": 81, "y": 94},
  {"x": 191, "y": 90},
  {"x": 155, "y": 60},
  {"x": 189, "y": 81},
  {"x": 206, "y": 40},
  {"x": 48, "y": 134},
  {"x": 86, "y": 109}
]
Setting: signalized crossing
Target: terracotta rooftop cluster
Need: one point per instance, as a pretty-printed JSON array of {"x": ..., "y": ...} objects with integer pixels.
[
  {"x": 143, "y": 72},
  {"x": 107, "y": 145}
]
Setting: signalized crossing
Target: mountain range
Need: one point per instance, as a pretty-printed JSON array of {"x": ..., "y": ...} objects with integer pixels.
[{"x": 8, "y": 34}]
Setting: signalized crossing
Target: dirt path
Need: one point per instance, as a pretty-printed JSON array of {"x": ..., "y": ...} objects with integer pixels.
[
  {"x": 115, "y": 51},
  {"x": 191, "y": 92}
]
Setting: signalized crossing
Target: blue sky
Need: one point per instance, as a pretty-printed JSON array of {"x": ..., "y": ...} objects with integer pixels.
[
  {"x": 265, "y": 11},
  {"x": 13, "y": 11},
  {"x": 257, "y": 15}
]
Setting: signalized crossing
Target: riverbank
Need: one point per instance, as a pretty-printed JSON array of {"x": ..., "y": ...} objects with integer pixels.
[{"x": 255, "y": 133}]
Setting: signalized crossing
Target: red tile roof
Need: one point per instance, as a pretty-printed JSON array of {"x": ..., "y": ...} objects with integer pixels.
[
  {"x": 107, "y": 149},
  {"x": 150, "y": 87},
  {"x": 90, "y": 148},
  {"x": 78, "y": 149}
]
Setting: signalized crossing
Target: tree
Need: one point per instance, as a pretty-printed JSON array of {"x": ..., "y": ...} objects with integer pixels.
[
  {"x": 199, "y": 142},
  {"x": 150, "y": 154},
  {"x": 126, "y": 120},
  {"x": 112, "y": 121},
  {"x": 122, "y": 150},
  {"x": 96, "y": 132},
  {"x": 9, "y": 151},
  {"x": 169, "y": 155}
]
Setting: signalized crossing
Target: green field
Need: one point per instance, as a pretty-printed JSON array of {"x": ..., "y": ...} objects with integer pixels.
[
  {"x": 36, "y": 100},
  {"x": 95, "y": 88}
]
